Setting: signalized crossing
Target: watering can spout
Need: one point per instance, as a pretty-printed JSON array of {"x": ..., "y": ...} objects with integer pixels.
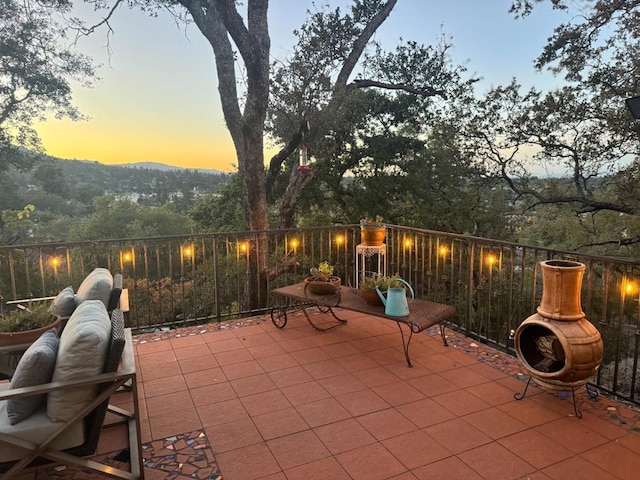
[
  {"x": 382, "y": 297},
  {"x": 396, "y": 304}
]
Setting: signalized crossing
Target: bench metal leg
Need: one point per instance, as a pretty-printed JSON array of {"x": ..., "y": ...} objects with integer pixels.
[
  {"x": 415, "y": 328},
  {"x": 405, "y": 345},
  {"x": 323, "y": 309},
  {"x": 279, "y": 314},
  {"x": 443, "y": 334}
]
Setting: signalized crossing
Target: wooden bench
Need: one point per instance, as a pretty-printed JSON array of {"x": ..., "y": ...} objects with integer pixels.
[{"x": 422, "y": 314}]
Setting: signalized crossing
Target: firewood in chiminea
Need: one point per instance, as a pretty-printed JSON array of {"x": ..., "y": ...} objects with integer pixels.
[{"x": 552, "y": 354}]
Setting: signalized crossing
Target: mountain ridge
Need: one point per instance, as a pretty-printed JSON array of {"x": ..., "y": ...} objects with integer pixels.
[{"x": 166, "y": 168}]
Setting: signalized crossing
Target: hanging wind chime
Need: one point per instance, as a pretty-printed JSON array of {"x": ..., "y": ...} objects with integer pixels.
[{"x": 303, "y": 163}]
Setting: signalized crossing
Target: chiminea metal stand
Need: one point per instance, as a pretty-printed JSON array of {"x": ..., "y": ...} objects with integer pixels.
[{"x": 591, "y": 393}]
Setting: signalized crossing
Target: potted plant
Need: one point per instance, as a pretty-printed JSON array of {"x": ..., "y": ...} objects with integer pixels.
[
  {"x": 369, "y": 283},
  {"x": 372, "y": 231},
  {"x": 25, "y": 324},
  {"x": 322, "y": 281}
]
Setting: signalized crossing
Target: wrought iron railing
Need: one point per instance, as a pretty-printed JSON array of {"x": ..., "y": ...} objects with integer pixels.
[{"x": 495, "y": 285}]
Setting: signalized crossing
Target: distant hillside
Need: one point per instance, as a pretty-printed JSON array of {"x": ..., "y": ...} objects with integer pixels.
[
  {"x": 81, "y": 181},
  {"x": 168, "y": 168}
]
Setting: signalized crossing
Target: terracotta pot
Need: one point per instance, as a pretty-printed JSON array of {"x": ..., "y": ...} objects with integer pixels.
[
  {"x": 28, "y": 336},
  {"x": 371, "y": 297},
  {"x": 557, "y": 345},
  {"x": 322, "y": 287},
  {"x": 372, "y": 236}
]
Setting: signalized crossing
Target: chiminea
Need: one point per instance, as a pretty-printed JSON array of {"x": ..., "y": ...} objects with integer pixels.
[{"x": 558, "y": 346}]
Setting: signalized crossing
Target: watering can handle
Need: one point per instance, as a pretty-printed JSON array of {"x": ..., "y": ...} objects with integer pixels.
[{"x": 410, "y": 289}]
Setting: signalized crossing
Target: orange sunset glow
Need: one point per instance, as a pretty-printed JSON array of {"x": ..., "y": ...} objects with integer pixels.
[{"x": 115, "y": 144}]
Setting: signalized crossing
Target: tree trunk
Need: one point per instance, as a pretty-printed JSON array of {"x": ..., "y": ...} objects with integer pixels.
[{"x": 220, "y": 23}]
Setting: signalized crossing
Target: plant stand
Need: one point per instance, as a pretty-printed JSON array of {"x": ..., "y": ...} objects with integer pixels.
[{"x": 364, "y": 252}]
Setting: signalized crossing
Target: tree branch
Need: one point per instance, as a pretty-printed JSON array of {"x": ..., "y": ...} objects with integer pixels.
[
  {"x": 360, "y": 44},
  {"x": 620, "y": 243},
  {"x": 104, "y": 21},
  {"x": 424, "y": 91},
  {"x": 275, "y": 164}
]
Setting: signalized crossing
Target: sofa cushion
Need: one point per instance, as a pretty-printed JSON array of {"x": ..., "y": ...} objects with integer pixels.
[
  {"x": 82, "y": 353},
  {"x": 34, "y": 368},
  {"x": 96, "y": 286},
  {"x": 65, "y": 303}
]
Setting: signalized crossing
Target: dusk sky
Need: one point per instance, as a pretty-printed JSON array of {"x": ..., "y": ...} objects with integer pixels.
[{"x": 157, "y": 97}]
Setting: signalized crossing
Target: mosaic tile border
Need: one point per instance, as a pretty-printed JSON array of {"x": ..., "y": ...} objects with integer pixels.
[
  {"x": 187, "y": 455},
  {"x": 183, "y": 456}
]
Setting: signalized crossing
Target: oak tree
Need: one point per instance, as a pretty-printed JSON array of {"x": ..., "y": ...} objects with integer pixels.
[{"x": 581, "y": 132}]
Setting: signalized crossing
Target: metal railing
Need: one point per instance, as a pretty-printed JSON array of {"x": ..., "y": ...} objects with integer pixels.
[{"x": 495, "y": 285}]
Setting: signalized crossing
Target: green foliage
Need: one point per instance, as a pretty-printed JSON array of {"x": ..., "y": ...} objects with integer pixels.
[
  {"x": 51, "y": 179},
  {"x": 382, "y": 282},
  {"x": 17, "y": 226},
  {"x": 10, "y": 192},
  {"x": 376, "y": 221},
  {"x": 122, "y": 218},
  {"x": 222, "y": 212},
  {"x": 31, "y": 317},
  {"x": 63, "y": 193}
]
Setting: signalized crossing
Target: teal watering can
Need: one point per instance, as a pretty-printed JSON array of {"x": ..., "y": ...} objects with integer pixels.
[{"x": 396, "y": 305}]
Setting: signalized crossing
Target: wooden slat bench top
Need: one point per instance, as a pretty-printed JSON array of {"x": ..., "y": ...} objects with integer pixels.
[{"x": 422, "y": 314}]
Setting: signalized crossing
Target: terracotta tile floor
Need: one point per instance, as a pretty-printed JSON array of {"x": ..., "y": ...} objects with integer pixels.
[{"x": 250, "y": 401}]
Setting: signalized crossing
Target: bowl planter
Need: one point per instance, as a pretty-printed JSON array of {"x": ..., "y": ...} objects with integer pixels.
[
  {"x": 372, "y": 235},
  {"x": 371, "y": 297},
  {"x": 29, "y": 336},
  {"x": 322, "y": 286},
  {"x": 369, "y": 283}
]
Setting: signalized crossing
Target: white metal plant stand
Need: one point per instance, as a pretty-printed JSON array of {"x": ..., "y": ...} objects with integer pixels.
[{"x": 367, "y": 251}]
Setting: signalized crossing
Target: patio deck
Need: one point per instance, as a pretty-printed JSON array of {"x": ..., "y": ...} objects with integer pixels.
[{"x": 250, "y": 401}]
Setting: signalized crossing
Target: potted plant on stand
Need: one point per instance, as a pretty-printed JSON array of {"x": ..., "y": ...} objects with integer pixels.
[
  {"x": 322, "y": 281},
  {"x": 372, "y": 231}
]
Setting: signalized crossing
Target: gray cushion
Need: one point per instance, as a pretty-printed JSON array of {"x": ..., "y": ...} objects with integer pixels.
[
  {"x": 96, "y": 286},
  {"x": 34, "y": 368},
  {"x": 65, "y": 303},
  {"x": 83, "y": 351}
]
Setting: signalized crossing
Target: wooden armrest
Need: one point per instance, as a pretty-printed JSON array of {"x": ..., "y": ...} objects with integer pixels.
[{"x": 16, "y": 347}]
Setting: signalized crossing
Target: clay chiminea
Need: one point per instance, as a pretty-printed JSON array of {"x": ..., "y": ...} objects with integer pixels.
[{"x": 558, "y": 346}]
